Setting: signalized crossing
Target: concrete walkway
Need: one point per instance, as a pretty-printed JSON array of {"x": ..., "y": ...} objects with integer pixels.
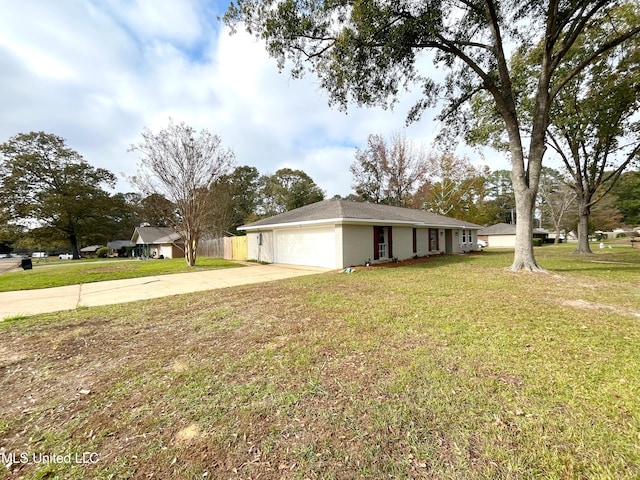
[{"x": 29, "y": 302}]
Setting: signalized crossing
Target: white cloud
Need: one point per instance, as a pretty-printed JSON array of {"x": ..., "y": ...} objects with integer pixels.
[
  {"x": 98, "y": 72},
  {"x": 182, "y": 22}
]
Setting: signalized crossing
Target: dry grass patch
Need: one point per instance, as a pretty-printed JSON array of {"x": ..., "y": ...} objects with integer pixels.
[{"x": 448, "y": 368}]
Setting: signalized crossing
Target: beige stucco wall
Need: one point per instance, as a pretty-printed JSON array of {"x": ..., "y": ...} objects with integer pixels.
[
  {"x": 339, "y": 247},
  {"x": 257, "y": 252},
  {"x": 422, "y": 241},
  {"x": 357, "y": 244},
  {"x": 402, "y": 242},
  {"x": 166, "y": 250}
]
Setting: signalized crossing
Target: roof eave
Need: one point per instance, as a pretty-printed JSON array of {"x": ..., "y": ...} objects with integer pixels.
[{"x": 351, "y": 221}]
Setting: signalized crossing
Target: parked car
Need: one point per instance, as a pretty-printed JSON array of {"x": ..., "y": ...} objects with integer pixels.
[
  {"x": 65, "y": 256},
  {"x": 482, "y": 243}
]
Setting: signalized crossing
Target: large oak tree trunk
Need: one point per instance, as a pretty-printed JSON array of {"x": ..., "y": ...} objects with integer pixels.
[
  {"x": 583, "y": 229},
  {"x": 525, "y": 186},
  {"x": 73, "y": 241},
  {"x": 524, "y": 258}
]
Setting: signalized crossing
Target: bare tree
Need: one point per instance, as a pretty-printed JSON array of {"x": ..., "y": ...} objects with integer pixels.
[
  {"x": 181, "y": 165},
  {"x": 555, "y": 198},
  {"x": 368, "y": 175},
  {"x": 388, "y": 173},
  {"x": 406, "y": 166},
  {"x": 455, "y": 187}
]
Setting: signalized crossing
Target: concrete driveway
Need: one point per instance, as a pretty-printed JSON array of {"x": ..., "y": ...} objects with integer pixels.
[
  {"x": 8, "y": 264},
  {"x": 29, "y": 302}
]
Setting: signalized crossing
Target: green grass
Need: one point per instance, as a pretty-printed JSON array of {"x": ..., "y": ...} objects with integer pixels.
[
  {"x": 451, "y": 368},
  {"x": 70, "y": 273}
]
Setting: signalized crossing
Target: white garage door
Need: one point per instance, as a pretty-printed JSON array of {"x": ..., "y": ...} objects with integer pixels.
[{"x": 306, "y": 246}]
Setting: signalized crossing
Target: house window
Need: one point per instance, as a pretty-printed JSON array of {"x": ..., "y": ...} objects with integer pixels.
[
  {"x": 464, "y": 236},
  {"x": 382, "y": 242},
  {"x": 433, "y": 239},
  {"x": 259, "y": 239},
  {"x": 382, "y": 246}
]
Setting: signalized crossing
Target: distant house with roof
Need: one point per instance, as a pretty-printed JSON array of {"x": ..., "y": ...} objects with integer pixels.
[
  {"x": 504, "y": 235},
  {"x": 157, "y": 242},
  {"x": 119, "y": 247},
  {"x": 341, "y": 233},
  {"x": 90, "y": 250}
]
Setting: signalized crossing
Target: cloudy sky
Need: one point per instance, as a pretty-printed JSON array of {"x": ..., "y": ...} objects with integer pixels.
[{"x": 96, "y": 72}]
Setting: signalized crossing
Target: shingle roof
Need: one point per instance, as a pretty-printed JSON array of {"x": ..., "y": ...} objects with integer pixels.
[
  {"x": 90, "y": 248},
  {"x": 118, "y": 244},
  {"x": 504, "y": 229},
  {"x": 154, "y": 235},
  {"x": 347, "y": 210}
]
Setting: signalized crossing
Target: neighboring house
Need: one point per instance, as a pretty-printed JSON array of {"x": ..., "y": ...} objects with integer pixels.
[
  {"x": 157, "y": 242},
  {"x": 341, "y": 233},
  {"x": 90, "y": 250},
  {"x": 620, "y": 233},
  {"x": 116, "y": 247},
  {"x": 504, "y": 235}
]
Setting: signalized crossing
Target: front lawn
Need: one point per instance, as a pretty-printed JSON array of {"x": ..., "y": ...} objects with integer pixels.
[
  {"x": 447, "y": 368},
  {"x": 71, "y": 272}
]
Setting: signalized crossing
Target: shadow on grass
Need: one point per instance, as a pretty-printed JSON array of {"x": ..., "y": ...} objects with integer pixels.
[
  {"x": 617, "y": 264},
  {"x": 602, "y": 267},
  {"x": 432, "y": 261},
  {"x": 622, "y": 265}
]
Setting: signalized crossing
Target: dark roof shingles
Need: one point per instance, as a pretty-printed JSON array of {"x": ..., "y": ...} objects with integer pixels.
[
  {"x": 348, "y": 210},
  {"x": 156, "y": 235}
]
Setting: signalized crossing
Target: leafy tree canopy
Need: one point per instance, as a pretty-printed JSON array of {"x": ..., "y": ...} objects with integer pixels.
[
  {"x": 51, "y": 189},
  {"x": 367, "y": 52},
  {"x": 627, "y": 195},
  {"x": 237, "y": 196},
  {"x": 288, "y": 189}
]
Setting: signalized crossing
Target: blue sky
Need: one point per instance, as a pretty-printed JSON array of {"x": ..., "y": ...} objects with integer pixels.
[{"x": 97, "y": 72}]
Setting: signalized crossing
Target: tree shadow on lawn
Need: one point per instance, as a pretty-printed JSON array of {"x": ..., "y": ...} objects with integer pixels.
[
  {"x": 427, "y": 261},
  {"x": 597, "y": 266}
]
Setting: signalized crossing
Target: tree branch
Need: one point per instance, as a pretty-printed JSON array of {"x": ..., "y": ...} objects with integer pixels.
[{"x": 590, "y": 59}]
